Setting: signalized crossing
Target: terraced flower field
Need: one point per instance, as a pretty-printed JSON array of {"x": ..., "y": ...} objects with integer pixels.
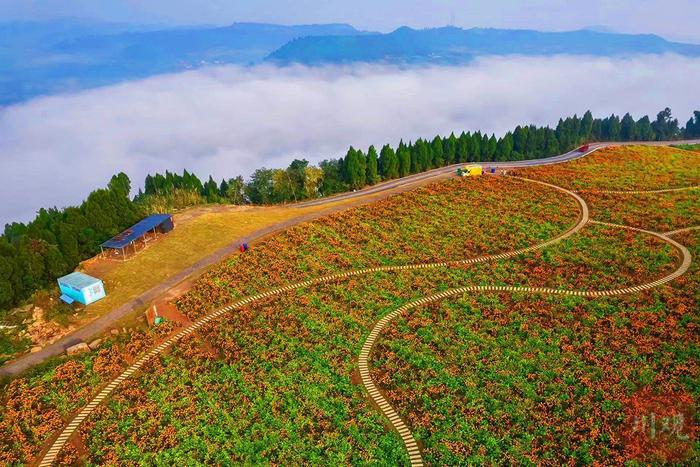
[
  {"x": 477, "y": 378},
  {"x": 624, "y": 168},
  {"x": 661, "y": 212},
  {"x": 516, "y": 379}
]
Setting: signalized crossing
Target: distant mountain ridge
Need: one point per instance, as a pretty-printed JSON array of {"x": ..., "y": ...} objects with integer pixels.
[
  {"x": 450, "y": 45},
  {"x": 46, "y": 58},
  {"x": 71, "y": 55}
]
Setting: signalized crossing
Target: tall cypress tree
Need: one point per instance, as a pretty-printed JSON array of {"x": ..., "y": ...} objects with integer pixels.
[
  {"x": 355, "y": 167},
  {"x": 613, "y": 128},
  {"x": 415, "y": 162},
  {"x": 438, "y": 152},
  {"x": 551, "y": 145},
  {"x": 475, "y": 148},
  {"x": 423, "y": 156},
  {"x": 372, "y": 166},
  {"x": 388, "y": 163},
  {"x": 586, "y": 126},
  {"x": 450, "y": 146},
  {"x": 504, "y": 148},
  {"x": 628, "y": 128},
  {"x": 404, "y": 157},
  {"x": 463, "y": 147},
  {"x": 485, "y": 156},
  {"x": 644, "y": 130},
  {"x": 492, "y": 145}
]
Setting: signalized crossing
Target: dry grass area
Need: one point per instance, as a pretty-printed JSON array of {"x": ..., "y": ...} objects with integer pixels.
[{"x": 199, "y": 232}]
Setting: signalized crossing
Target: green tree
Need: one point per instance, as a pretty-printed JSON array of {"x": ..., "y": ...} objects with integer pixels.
[
  {"x": 540, "y": 141},
  {"x": 235, "y": 191},
  {"x": 551, "y": 145},
  {"x": 531, "y": 143},
  {"x": 296, "y": 173},
  {"x": 492, "y": 145},
  {"x": 283, "y": 188},
  {"x": 121, "y": 184},
  {"x": 68, "y": 243},
  {"x": 223, "y": 189},
  {"x": 211, "y": 191},
  {"x": 372, "y": 166},
  {"x": 463, "y": 147},
  {"x": 475, "y": 149},
  {"x": 628, "y": 128},
  {"x": 404, "y": 156},
  {"x": 333, "y": 180},
  {"x": 692, "y": 128},
  {"x": 259, "y": 188},
  {"x": 355, "y": 166},
  {"x": 611, "y": 128},
  {"x": 55, "y": 264},
  {"x": 485, "y": 149},
  {"x": 423, "y": 155},
  {"x": 597, "y": 130},
  {"x": 520, "y": 139},
  {"x": 7, "y": 292},
  {"x": 450, "y": 147},
  {"x": 313, "y": 181},
  {"x": 388, "y": 163},
  {"x": 665, "y": 126},
  {"x": 586, "y": 130},
  {"x": 504, "y": 148},
  {"x": 644, "y": 130},
  {"x": 438, "y": 152},
  {"x": 565, "y": 135}
]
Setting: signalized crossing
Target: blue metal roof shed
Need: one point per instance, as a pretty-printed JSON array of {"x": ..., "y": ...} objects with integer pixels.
[
  {"x": 80, "y": 287},
  {"x": 156, "y": 223}
]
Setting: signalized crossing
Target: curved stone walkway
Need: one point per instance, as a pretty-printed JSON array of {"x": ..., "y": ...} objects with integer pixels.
[
  {"x": 391, "y": 413},
  {"x": 71, "y": 428},
  {"x": 640, "y": 192},
  {"x": 414, "y": 453},
  {"x": 685, "y": 229}
]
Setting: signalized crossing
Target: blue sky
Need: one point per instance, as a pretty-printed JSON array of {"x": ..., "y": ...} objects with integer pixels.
[{"x": 674, "y": 19}]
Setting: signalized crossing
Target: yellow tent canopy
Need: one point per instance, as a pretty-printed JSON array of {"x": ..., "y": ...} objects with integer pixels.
[{"x": 469, "y": 170}]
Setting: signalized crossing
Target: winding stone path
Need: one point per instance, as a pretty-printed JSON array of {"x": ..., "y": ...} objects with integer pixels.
[
  {"x": 685, "y": 229},
  {"x": 60, "y": 441},
  {"x": 640, "y": 192},
  {"x": 391, "y": 413}
]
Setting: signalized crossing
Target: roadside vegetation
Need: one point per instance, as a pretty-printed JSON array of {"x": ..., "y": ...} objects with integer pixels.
[
  {"x": 688, "y": 147},
  {"x": 201, "y": 231},
  {"x": 483, "y": 378},
  {"x": 34, "y": 255}
]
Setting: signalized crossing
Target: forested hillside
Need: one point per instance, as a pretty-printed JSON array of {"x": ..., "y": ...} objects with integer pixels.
[
  {"x": 32, "y": 256},
  {"x": 451, "y": 45},
  {"x": 98, "y": 54}
]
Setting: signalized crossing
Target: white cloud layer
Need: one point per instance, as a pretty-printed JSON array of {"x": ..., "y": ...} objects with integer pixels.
[{"x": 227, "y": 121}]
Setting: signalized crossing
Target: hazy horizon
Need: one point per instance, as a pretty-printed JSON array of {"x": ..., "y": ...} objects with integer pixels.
[{"x": 673, "y": 19}]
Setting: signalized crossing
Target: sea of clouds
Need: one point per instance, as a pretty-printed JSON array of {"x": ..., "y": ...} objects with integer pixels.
[{"x": 228, "y": 121}]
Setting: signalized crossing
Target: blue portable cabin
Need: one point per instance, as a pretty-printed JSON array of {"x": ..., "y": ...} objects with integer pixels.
[
  {"x": 80, "y": 287},
  {"x": 156, "y": 223}
]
